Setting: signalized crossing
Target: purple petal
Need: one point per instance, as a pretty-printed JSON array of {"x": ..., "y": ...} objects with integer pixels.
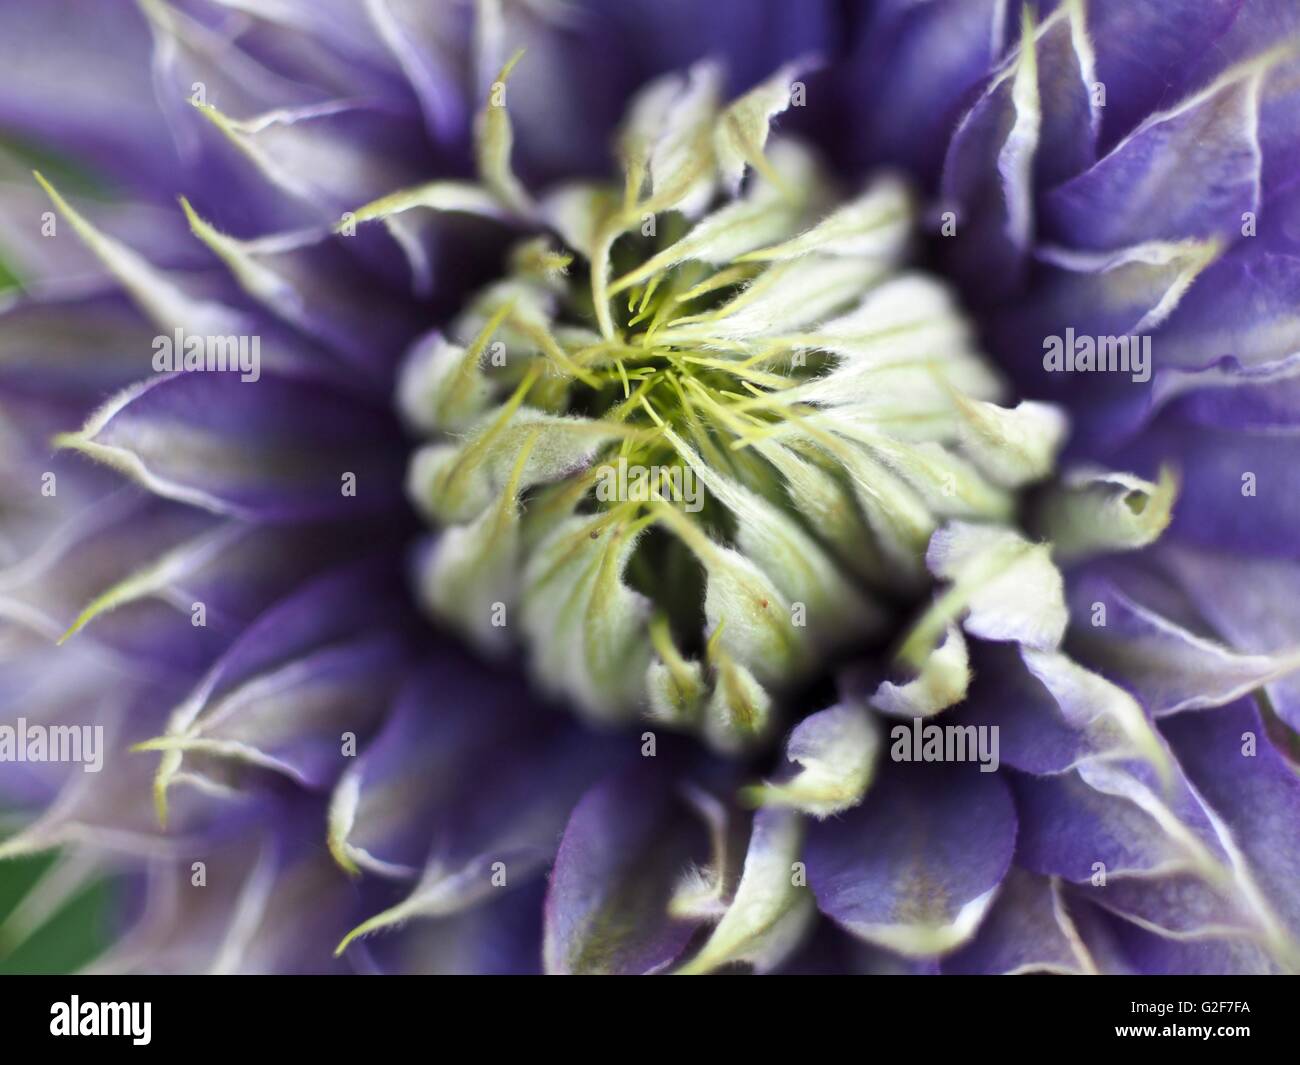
[
  {"x": 501, "y": 937},
  {"x": 1237, "y": 489},
  {"x": 1161, "y": 855},
  {"x": 78, "y": 82},
  {"x": 986, "y": 182},
  {"x": 1032, "y": 734},
  {"x": 567, "y": 95},
  {"x": 1253, "y": 603},
  {"x": 272, "y": 448},
  {"x": 1000, "y": 153},
  {"x": 1256, "y": 794},
  {"x": 1096, "y": 294},
  {"x": 1152, "y": 954},
  {"x": 498, "y": 827},
  {"x": 54, "y": 265},
  {"x": 314, "y": 284},
  {"x": 1168, "y": 666},
  {"x": 628, "y": 841},
  {"x": 99, "y": 809},
  {"x": 250, "y": 916},
  {"x": 1067, "y": 142},
  {"x": 447, "y": 723},
  {"x": 915, "y": 867},
  {"x": 78, "y": 350},
  {"x": 429, "y": 43},
  {"x": 316, "y": 667},
  {"x": 1191, "y": 171},
  {"x": 1150, "y": 49},
  {"x": 1068, "y": 824},
  {"x": 1028, "y": 930},
  {"x": 917, "y": 63}
]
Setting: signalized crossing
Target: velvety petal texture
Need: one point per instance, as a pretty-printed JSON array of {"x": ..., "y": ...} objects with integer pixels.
[{"x": 915, "y": 868}]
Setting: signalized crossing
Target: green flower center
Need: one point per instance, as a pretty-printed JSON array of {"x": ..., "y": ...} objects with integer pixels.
[{"x": 703, "y": 430}]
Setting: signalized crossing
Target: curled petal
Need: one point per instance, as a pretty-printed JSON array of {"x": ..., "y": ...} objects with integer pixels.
[{"x": 836, "y": 751}]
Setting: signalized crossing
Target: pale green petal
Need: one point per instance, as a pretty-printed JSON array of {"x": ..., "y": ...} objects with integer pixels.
[
  {"x": 941, "y": 682},
  {"x": 1007, "y": 588},
  {"x": 836, "y": 751},
  {"x": 877, "y": 224},
  {"x": 948, "y": 485},
  {"x": 453, "y": 483},
  {"x": 647, "y": 117},
  {"x": 792, "y": 559},
  {"x": 1094, "y": 512},
  {"x": 494, "y": 141},
  {"x": 827, "y": 503},
  {"x": 577, "y": 211},
  {"x": 472, "y": 568},
  {"x": 442, "y": 385},
  {"x": 740, "y": 710},
  {"x": 788, "y": 296},
  {"x": 589, "y": 632},
  {"x": 682, "y": 159},
  {"x": 742, "y": 129},
  {"x": 457, "y": 197},
  {"x": 750, "y": 617},
  {"x": 903, "y": 319},
  {"x": 769, "y": 914},
  {"x": 764, "y": 214},
  {"x": 676, "y": 687},
  {"x": 897, "y": 515},
  {"x": 1015, "y": 446}
]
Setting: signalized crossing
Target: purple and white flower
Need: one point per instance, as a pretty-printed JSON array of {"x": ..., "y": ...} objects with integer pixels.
[{"x": 598, "y": 487}]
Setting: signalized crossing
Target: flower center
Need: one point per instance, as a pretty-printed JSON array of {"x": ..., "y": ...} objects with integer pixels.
[{"x": 702, "y": 432}]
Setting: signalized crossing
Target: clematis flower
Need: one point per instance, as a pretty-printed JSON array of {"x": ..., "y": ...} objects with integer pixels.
[{"x": 591, "y": 487}]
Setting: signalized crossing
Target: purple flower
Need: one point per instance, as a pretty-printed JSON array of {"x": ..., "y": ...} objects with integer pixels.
[{"x": 530, "y": 414}]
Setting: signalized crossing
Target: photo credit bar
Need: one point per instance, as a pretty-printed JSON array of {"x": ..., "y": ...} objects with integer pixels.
[{"x": 321, "y": 1017}]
